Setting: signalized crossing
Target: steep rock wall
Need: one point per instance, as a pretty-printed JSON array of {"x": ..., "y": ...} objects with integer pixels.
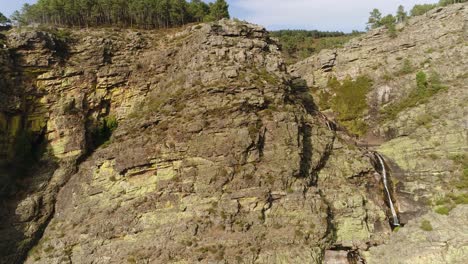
[
  {"x": 426, "y": 140},
  {"x": 219, "y": 155}
]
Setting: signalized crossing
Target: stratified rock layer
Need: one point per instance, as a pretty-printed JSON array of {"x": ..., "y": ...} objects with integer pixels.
[
  {"x": 421, "y": 140},
  {"x": 433, "y": 238},
  {"x": 424, "y": 143},
  {"x": 219, "y": 156}
]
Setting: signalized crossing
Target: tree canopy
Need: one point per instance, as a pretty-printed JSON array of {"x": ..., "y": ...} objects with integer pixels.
[
  {"x": 401, "y": 14},
  {"x": 3, "y": 19},
  {"x": 449, "y": 2},
  {"x": 374, "y": 19},
  {"x": 422, "y": 9},
  {"x": 300, "y": 44},
  {"x": 127, "y": 13}
]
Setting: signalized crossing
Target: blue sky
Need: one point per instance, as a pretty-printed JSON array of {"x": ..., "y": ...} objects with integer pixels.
[{"x": 342, "y": 15}]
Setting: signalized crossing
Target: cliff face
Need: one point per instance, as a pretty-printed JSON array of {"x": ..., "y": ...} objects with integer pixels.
[
  {"x": 422, "y": 138},
  {"x": 417, "y": 116},
  {"x": 186, "y": 146},
  {"x": 197, "y": 145}
]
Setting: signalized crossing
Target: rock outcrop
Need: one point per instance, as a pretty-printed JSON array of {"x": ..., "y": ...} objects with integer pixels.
[
  {"x": 423, "y": 136},
  {"x": 187, "y": 146},
  {"x": 422, "y": 133},
  {"x": 432, "y": 238}
]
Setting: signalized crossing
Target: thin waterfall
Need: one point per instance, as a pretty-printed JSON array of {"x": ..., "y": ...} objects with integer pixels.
[{"x": 387, "y": 191}]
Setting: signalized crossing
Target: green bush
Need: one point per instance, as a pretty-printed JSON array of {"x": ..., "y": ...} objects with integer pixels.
[
  {"x": 104, "y": 130},
  {"x": 389, "y": 21},
  {"x": 406, "y": 68},
  {"x": 443, "y": 210},
  {"x": 421, "y": 81},
  {"x": 424, "y": 120},
  {"x": 425, "y": 89},
  {"x": 350, "y": 102},
  {"x": 300, "y": 44},
  {"x": 422, "y": 9},
  {"x": 324, "y": 100},
  {"x": 426, "y": 225},
  {"x": 459, "y": 159},
  {"x": 462, "y": 184},
  {"x": 460, "y": 198}
]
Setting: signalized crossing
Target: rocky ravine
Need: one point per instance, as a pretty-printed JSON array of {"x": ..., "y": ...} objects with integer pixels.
[
  {"x": 219, "y": 155},
  {"x": 424, "y": 143}
]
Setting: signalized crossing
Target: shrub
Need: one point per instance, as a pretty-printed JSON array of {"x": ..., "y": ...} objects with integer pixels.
[
  {"x": 463, "y": 182},
  {"x": 433, "y": 156},
  {"x": 435, "y": 82},
  {"x": 460, "y": 159},
  {"x": 424, "y": 120},
  {"x": 104, "y": 130},
  {"x": 460, "y": 198},
  {"x": 426, "y": 225},
  {"x": 406, "y": 68},
  {"x": 422, "y": 9},
  {"x": 421, "y": 81},
  {"x": 425, "y": 89},
  {"x": 350, "y": 102},
  {"x": 443, "y": 210},
  {"x": 300, "y": 44},
  {"x": 389, "y": 22},
  {"x": 324, "y": 99},
  {"x": 387, "y": 77}
]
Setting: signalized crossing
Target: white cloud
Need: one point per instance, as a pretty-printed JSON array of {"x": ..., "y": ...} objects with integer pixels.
[{"x": 342, "y": 15}]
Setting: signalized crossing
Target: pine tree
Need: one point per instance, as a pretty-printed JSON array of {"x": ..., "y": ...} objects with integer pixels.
[
  {"x": 422, "y": 9},
  {"x": 3, "y": 19},
  {"x": 126, "y": 13},
  {"x": 449, "y": 2},
  {"x": 374, "y": 19},
  {"x": 401, "y": 15},
  {"x": 218, "y": 10},
  {"x": 198, "y": 10},
  {"x": 389, "y": 22}
]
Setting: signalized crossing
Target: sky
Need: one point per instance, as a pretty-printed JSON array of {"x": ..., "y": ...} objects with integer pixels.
[{"x": 327, "y": 15}]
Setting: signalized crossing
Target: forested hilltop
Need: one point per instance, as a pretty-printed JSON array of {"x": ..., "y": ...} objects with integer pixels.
[
  {"x": 300, "y": 44},
  {"x": 126, "y": 13}
]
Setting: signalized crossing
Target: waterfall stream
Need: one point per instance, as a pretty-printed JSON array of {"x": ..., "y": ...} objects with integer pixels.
[{"x": 387, "y": 191}]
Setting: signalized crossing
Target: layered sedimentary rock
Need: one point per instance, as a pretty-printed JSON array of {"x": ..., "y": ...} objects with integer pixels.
[
  {"x": 424, "y": 143},
  {"x": 218, "y": 156}
]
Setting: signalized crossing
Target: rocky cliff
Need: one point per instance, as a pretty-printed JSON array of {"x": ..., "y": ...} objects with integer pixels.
[
  {"x": 415, "y": 113},
  {"x": 196, "y": 145},
  {"x": 191, "y": 145}
]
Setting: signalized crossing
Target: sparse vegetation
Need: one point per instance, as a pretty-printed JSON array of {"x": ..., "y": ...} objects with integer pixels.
[
  {"x": 424, "y": 120},
  {"x": 104, "y": 130},
  {"x": 300, "y": 44},
  {"x": 426, "y": 225},
  {"x": 406, "y": 68},
  {"x": 433, "y": 156},
  {"x": 424, "y": 90},
  {"x": 350, "y": 102},
  {"x": 130, "y": 13},
  {"x": 443, "y": 210},
  {"x": 389, "y": 22},
  {"x": 3, "y": 19},
  {"x": 422, "y": 9}
]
